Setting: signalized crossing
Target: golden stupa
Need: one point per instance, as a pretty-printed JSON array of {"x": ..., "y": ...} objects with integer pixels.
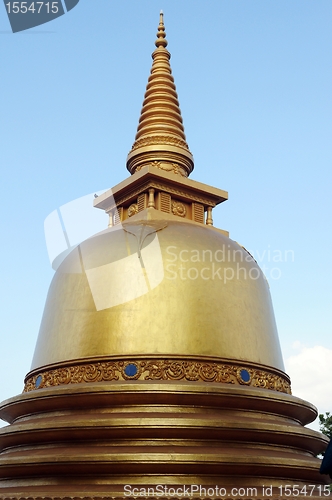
[{"x": 158, "y": 370}]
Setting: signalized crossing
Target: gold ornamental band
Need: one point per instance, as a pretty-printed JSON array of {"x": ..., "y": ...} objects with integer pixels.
[
  {"x": 190, "y": 370},
  {"x": 159, "y": 139}
]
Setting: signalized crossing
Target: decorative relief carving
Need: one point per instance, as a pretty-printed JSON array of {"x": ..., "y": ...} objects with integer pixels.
[
  {"x": 159, "y": 369},
  {"x": 179, "y": 209},
  {"x": 172, "y": 167},
  {"x": 177, "y": 169},
  {"x": 154, "y": 164},
  {"x": 150, "y": 164},
  {"x": 97, "y": 372},
  {"x": 159, "y": 139},
  {"x": 168, "y": 167},
  {"x": 132, "y": 210}
]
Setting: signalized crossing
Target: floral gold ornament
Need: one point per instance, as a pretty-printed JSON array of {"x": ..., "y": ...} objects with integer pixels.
[
  {"x": 159, "y": 369},
  {"x": 167, "y": 167},
  {"x": 178, "y": 209}
]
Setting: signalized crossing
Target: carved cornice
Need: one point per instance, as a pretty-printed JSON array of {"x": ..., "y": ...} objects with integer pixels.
[
  {"x": 183, "y": 193},
  {"x": 159, "y": 369},
  {"x": 162, "y": 187}
]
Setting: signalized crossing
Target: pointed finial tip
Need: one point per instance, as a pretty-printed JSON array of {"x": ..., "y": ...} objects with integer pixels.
[{"x": 161, "y": 42}]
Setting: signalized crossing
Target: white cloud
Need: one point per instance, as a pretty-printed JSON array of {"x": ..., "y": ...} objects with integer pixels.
[{"x": 310, "y": 373}]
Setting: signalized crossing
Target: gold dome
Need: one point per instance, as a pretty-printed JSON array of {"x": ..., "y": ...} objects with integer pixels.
[{"x": 184, "y": 290}]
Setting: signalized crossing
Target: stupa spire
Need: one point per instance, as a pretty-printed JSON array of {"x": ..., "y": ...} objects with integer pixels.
[
  {"x": 161, "y": 35},
  {"x": 160, "y": 139}
]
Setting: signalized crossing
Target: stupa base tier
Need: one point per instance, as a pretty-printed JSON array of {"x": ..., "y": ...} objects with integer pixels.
[
  {"x": 113, "y": 439},
  {"x": 107, "y": 440}
]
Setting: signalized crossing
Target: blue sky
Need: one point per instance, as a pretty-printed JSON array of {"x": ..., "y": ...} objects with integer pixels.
[{"x": 254, "y": 85}]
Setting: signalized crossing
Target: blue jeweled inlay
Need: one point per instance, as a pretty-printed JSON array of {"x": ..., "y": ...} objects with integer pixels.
[
  {"x": 39, "y": 380},
  {"x": 245, "y": 375},
  {"x": 131, "y": 370}
]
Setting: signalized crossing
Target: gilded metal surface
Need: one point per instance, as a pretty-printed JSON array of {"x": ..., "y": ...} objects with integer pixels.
[
  {"x": 187, "y": 292},
  {"x": 159, "y": 369},
  {"x": 95, "y": 438},
  {"x": 167, "y": 188},
  {"x": 160, "y": 138},
  {"x": 132, "y": 186}
]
